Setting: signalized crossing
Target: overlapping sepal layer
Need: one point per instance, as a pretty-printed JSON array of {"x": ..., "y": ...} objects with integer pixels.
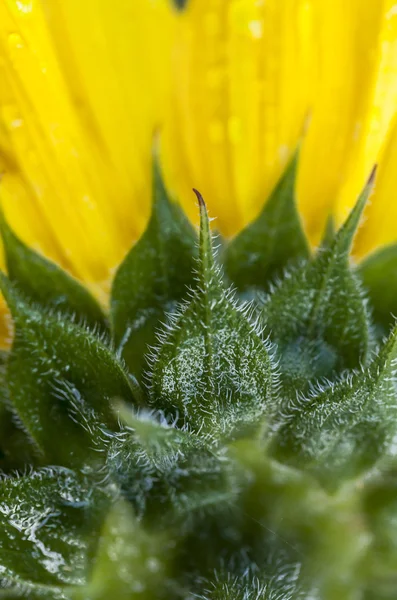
[{"x": 226, "y": 432}]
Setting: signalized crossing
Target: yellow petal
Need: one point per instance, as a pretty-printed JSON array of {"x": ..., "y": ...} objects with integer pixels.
[
  {"x": 379, "y": 227},
  {"x": 241, "y": 88},
  {"x": 82, "y": 87},
  {"x": 354, "y": 101},
  {"x": 81, "y": 94}
]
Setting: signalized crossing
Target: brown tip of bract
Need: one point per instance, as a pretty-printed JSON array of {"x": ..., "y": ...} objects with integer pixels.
[
  {"x": 372, "y": 176},
  {"x": 199, "y": 198},
  {"x": 156, "y": 143}
]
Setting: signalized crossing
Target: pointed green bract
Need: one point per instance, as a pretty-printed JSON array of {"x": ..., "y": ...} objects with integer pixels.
[
  {"x": 212, "y": 370},
  {"x": 379, "y": 276},
  {"x": 153, "y": 277},
  {"x": 320, "y": 308},
  {"x": 345, "y": 429},
  {"x": 262, "y": 250},
  {"x": 236, "y": 469},
  {"x": 47, "y": 284},
  {"x": 55, "y": 382}
]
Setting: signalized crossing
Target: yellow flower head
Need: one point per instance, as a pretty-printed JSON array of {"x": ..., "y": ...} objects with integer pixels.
[
  {"x": 234, "y": 85},
  {"x": 252, "y": 79}
]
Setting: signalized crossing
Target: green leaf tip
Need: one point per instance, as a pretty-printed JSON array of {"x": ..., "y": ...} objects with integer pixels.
[
  {"x": 153, "y": 278},
  {"x": 206, "y": 252},
  {"x": 62, "y": 386},
  {"x": 261, "y": 251},
  {"x": 344, "y": 237},
  {"x": 212, "y": 366},
  {"x": 342, "y": 429},
  {"x": 47, "y": 284},
  {"x": 321, "y": 307}
]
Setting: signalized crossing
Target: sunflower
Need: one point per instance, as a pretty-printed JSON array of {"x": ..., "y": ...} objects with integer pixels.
[
  {"x": 233, "y": 86},
  {"x": 196, "y": 409}
]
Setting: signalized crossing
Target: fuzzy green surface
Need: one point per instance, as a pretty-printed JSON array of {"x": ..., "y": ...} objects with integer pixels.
[{"x": 227, "y": 432}]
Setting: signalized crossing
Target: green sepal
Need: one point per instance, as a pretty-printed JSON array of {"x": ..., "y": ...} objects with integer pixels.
[
  {"x": 212, "y": 371},
  {"x": 320, "y": 308},
  {"x": 343, "y": 430},
  {"x": 379, "y": 276},
  {"x": 186, "y": 475},
  {"x": 153, "y": 277},
  {"x": 263, "y": 249},
  {"x": 48, "y": 521},
  {"x": 61, "y": 379},
  {"x": 47, "y": 284},
  {"x": 130, "y": 563}
]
